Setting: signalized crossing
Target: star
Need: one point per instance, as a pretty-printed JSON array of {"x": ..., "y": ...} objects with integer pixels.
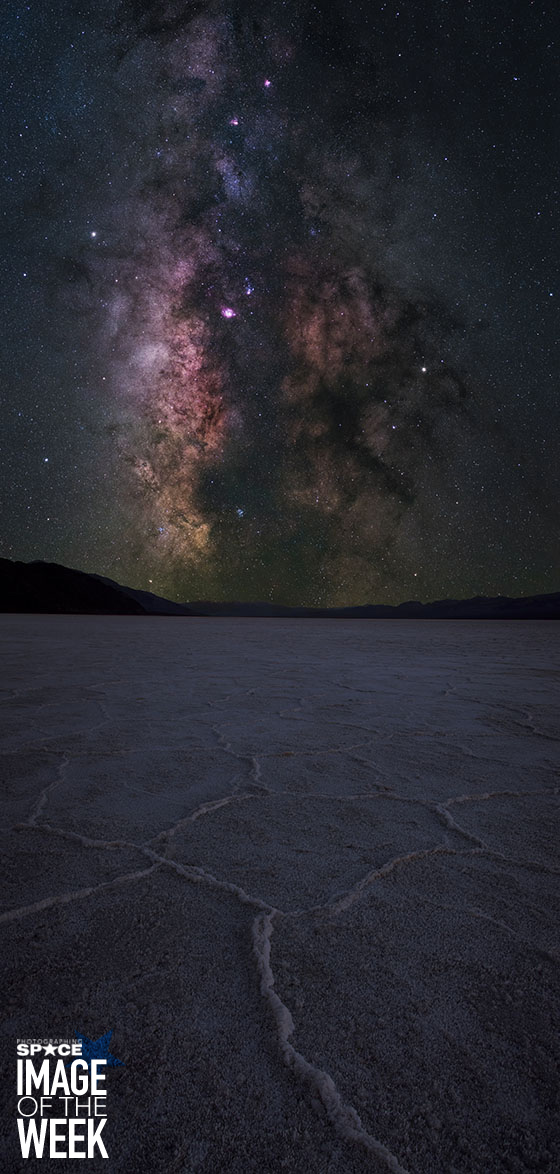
[
  {"x": 50, "y": 1048},
  {"x": 97, "y": 1049},
  {"x": 227, "y": 312}
]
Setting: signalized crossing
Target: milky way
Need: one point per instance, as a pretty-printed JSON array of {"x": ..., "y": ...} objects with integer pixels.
[
  {"x": 295, "y": 400},
  {"x": 264, "y": 351}
]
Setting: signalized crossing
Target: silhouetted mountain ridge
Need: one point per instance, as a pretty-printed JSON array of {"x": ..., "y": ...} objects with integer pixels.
[
  {"x": 480, "y": 607},
  {"x": 41, "y": 587}
]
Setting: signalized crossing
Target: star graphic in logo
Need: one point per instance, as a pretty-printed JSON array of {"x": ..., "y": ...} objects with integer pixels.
[{"x": 97, "y": 1049}]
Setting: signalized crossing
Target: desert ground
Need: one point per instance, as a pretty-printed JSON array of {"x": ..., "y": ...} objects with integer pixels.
[{"x": 307, "y": 873}]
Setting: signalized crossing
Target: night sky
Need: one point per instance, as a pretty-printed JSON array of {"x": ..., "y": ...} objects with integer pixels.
[{"x": 279, "y": 300}]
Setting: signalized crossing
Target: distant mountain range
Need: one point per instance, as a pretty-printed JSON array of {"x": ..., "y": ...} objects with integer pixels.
[{"x": 40, "y": 587}]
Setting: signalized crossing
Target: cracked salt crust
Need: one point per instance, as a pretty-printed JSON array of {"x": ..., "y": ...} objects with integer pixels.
[{"x": 332, "y": 782}]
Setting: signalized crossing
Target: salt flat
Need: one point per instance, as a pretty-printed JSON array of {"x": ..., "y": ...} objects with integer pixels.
[{"x": 306, "y": 871}]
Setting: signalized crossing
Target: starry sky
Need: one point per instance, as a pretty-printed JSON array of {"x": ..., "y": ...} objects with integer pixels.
[{"x": 279, "y": 296}]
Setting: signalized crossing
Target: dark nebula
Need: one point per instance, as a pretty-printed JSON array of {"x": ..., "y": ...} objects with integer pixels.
[{"x": 277, "y": 280}]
